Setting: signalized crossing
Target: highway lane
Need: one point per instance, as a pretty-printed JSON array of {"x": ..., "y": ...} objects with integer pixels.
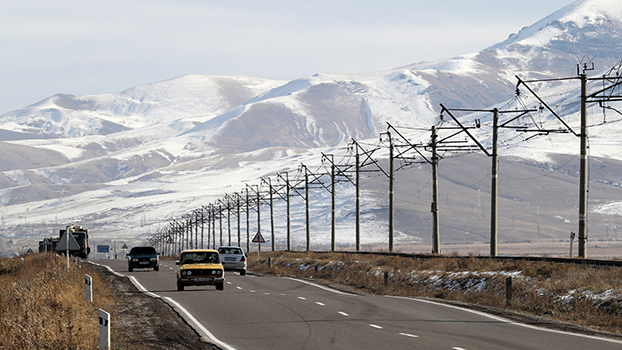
[{"x": 279, "y": 313}]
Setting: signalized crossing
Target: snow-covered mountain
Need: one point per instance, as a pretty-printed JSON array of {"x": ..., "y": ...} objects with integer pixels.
[{"x": 125, "y": 163}]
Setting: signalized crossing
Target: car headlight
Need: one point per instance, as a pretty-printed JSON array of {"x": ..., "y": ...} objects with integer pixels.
[
  {"x": 134, "y": 259},
  {"x": 218, "y": 272},
  {"x": 189, "y": 273},
  {"x": 154, "y": 259}
]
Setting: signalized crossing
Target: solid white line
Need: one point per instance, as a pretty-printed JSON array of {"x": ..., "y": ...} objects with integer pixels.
[
  {"x": 508, "y": 321},
  {"x": 167, "y": 299},
  {"x": 107, "y": 268},
  {"x": 141, "y": 288},
  {"x": 200, "y": 326}
]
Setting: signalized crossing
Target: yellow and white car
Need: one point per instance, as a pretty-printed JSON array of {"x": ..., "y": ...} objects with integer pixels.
[{"x": 200, "y": 267}]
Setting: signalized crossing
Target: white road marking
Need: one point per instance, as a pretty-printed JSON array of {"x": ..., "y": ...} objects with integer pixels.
[
  {"x": 228, "y": 282},
  {"x": 320, "y": 304},
  {"x": 141, "y": 288},
  {"x": 238, "y": 287},
  {"x": 171, "y": 301},
  {"x": 343, "y": 313},
  {"x": 506, "y": 320},
  {"x": 410, "y": 335},
  {"x": 252, "y": 291},
  {"x": 321, "y": 287},
  {"x": 457, "y": 348},
  {"x": 200, "y": 326},
  {"x": 302, "y": 298},
  {"x": 375, "y": 326}
]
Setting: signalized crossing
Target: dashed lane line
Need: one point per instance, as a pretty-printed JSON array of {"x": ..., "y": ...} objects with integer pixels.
[{"x": 409, "y": 335}]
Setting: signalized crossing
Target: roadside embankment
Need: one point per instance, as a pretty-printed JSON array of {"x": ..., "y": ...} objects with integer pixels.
[{"x": 43, "y": 306}]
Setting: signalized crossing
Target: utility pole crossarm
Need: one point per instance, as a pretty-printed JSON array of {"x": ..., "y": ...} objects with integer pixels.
[
  {"x": 389, "y": 126},
  {"x": 465, "y": 130},
  {"x": 368, "y": 157},
  {"x": 339, "y": 171},
  {"x": 520, "y": 81}
]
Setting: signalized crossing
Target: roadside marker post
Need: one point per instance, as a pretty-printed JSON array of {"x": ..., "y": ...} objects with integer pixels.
[
  {"x": 104, "y": 330},
  {"x": 88, "y": 288}
]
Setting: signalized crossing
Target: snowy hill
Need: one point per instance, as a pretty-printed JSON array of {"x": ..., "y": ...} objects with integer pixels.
[{"x": 123, "y": 164}]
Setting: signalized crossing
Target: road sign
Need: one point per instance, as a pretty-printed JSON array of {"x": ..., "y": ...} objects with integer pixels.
[
  {"x": 67, "y": 242},
  {"x": 103, "y": 248},
  {"x": 258, "y": 238},
  {"x": 170, "y": 240}
]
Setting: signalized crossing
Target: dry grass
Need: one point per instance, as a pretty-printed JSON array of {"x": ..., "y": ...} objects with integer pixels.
[
  {"x": 43, "y": 306},
  {"x": 583, "y": 295}
]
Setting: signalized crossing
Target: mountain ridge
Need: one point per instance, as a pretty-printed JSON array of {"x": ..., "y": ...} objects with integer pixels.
[{"x": 168, "y": 147}]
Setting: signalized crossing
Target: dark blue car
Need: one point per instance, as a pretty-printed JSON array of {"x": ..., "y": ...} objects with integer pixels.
[{"x": 143, "y": 258}]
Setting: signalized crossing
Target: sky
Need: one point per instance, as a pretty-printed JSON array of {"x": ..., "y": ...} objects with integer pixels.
[{"x": 87, "y": 47}]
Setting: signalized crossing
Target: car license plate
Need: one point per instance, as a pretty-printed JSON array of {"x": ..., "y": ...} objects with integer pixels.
[
  {"x": 144, "y": 262},
  {"x": 229, "y": 259},
  {"x": 201, "y": 279}
]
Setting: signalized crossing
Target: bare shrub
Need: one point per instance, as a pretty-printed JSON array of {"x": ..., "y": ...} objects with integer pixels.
[{"x": 43, "y": 306}]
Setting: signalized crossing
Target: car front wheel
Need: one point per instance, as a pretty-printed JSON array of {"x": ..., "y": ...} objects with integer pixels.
[
  {"x": 180, "y": 286},
  {"x": 220, "y": 286}
]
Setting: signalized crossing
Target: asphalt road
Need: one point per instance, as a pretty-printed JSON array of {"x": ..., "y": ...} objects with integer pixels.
[{"x": 273, "y": 313}]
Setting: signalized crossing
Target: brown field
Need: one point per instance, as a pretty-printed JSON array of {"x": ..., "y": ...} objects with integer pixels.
[{"x": 43, "y": 306}]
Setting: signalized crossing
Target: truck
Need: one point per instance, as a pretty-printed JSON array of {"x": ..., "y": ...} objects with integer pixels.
[{"x": 79, "y": 233}]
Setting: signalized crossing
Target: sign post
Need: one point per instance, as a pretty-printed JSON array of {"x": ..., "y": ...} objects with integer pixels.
[
  {"x": 67, "y": 242},
  {"x": 258, "y": 239}
]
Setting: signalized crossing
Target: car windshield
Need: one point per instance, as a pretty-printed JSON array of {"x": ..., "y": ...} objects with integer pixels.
[
  {"x": 230, "y": 251},
  {"x": 143, "y": 251},
  {"x": 199, "y": 257}
]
